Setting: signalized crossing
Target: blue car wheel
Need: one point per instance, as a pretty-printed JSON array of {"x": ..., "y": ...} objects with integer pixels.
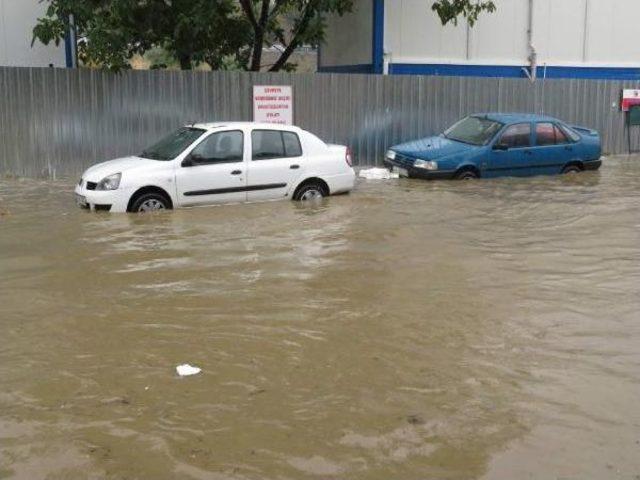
[
  {"x": 467, "y": 175},
  {"x": 573, "y": 168}
]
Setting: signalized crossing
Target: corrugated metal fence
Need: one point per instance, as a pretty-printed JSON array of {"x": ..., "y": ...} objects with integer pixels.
[{"x": 56, "y": 122}]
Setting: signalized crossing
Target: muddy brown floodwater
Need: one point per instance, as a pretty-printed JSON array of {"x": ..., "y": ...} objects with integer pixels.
[{"x": 411, "y": 330}]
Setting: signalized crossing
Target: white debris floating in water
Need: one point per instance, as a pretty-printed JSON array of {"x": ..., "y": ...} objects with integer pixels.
[
  {"x": 378, "y": 174},
  {"x": 187, "y": 370}
]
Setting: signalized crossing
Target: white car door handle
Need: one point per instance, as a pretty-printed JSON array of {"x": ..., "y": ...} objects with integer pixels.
[
  {"x": 294, "y": 167},
  {"x": 236, "y": 172}
]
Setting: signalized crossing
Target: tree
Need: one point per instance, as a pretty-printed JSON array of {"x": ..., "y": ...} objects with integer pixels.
[
  {"x": 451, "y": 10},
  {"x": 290, "y": 23},
  {"x": 215, "y": 32},
  {"x": 306, "y": 24},
  {"x": 111, "y": 32}
]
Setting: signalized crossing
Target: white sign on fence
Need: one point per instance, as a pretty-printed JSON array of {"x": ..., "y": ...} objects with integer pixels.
[{"x": 273, "y": 104}]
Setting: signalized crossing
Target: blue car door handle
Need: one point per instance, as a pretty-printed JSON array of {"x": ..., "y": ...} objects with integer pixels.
[
  {"x": 568, "y": 148},
  {"x": 528, "y": 152}
]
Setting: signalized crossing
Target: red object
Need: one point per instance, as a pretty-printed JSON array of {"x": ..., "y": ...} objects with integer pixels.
[
  {"x": 630, "y": 98},
  {"x": 348, "y": 157}
]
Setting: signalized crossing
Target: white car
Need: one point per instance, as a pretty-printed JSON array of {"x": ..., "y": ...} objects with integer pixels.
[{"x": 204, "y": 164}]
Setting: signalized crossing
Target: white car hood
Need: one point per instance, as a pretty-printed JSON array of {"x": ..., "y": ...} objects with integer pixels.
[{"x": 119, "y": 165}]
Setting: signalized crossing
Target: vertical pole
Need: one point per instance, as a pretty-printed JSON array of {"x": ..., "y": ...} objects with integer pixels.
[
  {"x": 468, "y": 53},
  {"x": 378, "y": 37},
  {"x": 628, "y": 117},
  {"x": 533, "y": 55},
  {"x": 585, "y": 34},
  {"x": 67, "y": 50},
  {"x": 70, "y": 44}
]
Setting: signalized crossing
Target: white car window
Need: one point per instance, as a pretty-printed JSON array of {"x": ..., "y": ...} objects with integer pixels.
[
  {"x": 292, "y": 147},
  {"x": 269, "y": 144},
  {"x": 222, "y": 147}
]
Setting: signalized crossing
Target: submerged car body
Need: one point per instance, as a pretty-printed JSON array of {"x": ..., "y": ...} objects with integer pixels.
[
  {"x": 498, "y": 144},
  {"x": 214, "y": 163}
]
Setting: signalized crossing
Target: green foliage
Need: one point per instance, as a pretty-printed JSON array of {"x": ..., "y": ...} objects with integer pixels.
[
  {"x": 451, "y": 10},
  {"x": 290, "y": 23},
  {"x": 298, "y": 22},
  {"x": 111, "y": 32},
  {"x": 225, "y": 34}
]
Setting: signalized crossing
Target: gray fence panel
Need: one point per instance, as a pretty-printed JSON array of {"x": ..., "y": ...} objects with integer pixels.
[{"x": 56, "y": 122}]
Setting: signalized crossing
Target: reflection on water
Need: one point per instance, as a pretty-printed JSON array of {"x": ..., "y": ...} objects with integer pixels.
[{"x": 410, "y": 330}]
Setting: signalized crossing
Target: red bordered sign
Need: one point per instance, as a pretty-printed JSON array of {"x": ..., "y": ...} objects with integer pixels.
[
  {"x": 630, "y": 98},
  {"x": 273, "y": 104}
]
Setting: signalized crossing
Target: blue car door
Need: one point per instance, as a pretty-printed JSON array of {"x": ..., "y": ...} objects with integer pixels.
[
  {"x": 511, "y": 154},
  {"x": 552, "y": 148}
]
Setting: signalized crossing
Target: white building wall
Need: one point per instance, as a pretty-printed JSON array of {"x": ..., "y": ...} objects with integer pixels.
[
  {"x": 349, "y": 38},
  {"x": 413, "y": 33},
  {"x": 565, "y": 33},
  {"x": 17, "y": 19},
  {"x": 613, "y": 31},
  {"x": 501, "y": 37},
  {"x": 558, "y": 29}
]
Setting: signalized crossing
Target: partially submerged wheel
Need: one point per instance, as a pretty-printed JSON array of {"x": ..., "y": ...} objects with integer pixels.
[
  {"x": 467, "y": 175},
  {"x": 571, "y": 169},
  {"x": 310, "y": 192},
  {"x": 150, "y": 202}
]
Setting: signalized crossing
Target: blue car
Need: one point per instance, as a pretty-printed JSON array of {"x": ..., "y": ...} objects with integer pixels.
[{"x": 497, "y": 145}]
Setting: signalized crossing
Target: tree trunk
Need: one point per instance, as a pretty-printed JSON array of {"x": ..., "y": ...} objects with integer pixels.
[
  {"x": 260, "y": 28},
  {"x": 295, "y": 41},
  {"x": 256, "y": 56},
  {"x": 284, "y": 57},
  {"x": 185, "y": 62}
]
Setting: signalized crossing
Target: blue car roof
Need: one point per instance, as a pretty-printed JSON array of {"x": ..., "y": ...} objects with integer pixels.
[{"x": 508, "y": 118}]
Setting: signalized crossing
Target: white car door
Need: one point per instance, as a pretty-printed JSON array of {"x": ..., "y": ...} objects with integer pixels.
[
  {"x": 214, "y": 171},
  {"x": 276, "y": 163}
]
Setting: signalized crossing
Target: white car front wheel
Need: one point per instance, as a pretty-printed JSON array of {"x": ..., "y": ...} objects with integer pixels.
[{"x": 150, "y": 202}]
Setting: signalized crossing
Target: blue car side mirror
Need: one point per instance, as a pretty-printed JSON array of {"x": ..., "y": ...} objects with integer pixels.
[{"x": 501, "y": 146}]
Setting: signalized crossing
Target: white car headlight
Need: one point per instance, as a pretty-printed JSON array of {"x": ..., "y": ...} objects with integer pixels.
[
  {"x": 426, "y": 164},
  {"x": 391, "y": 155},
  {"x": 112, "y": 182}
]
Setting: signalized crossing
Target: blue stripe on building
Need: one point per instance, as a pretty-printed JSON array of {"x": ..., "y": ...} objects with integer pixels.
[
  {"x": 70, "y": 44},
  {"x": 497, "y": 71},
  {"x": 68, "y": 51},
  {"x": 378, "y": 37},
  {"x": 466, "y": 70},
  {"x": 361, "y": 68},
  {"x": 506, "y": 71}
]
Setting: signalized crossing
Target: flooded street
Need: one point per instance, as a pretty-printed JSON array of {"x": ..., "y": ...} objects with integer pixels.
[{"x": 410, "y": 330}]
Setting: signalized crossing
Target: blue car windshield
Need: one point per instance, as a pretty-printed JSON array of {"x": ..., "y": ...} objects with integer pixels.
[
  {"x": 173, "y": 144},
  {"x": 473, "y": 130}
]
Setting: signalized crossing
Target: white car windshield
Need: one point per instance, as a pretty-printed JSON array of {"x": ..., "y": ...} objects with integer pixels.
[
  {"x": 173, "y": 144},
  {"x": 473, "y": 130}
]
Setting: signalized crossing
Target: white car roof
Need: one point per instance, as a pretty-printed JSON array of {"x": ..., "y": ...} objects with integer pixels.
[{"x": 270, "y": 126}]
